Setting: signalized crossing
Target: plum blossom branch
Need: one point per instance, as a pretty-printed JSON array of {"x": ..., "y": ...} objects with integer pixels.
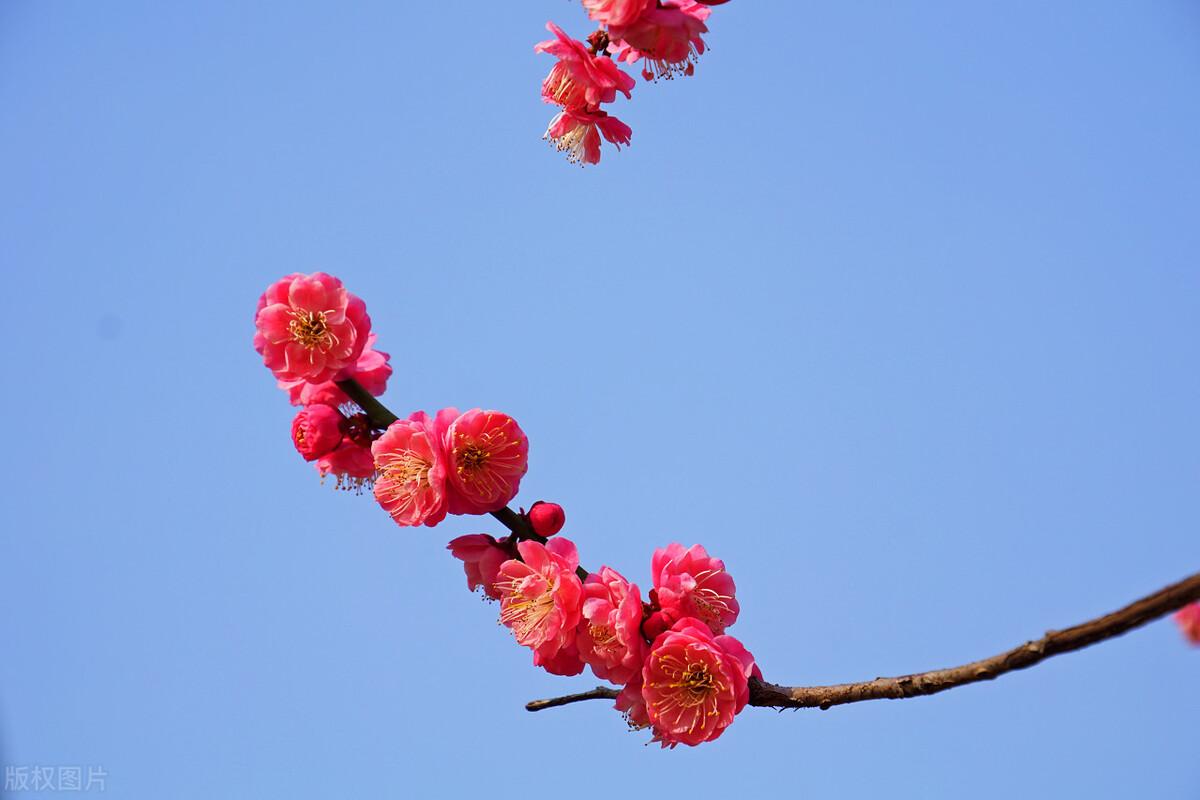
[
  {"x": 1100, "y": 629},
  {"x": 683, "y": 676}
]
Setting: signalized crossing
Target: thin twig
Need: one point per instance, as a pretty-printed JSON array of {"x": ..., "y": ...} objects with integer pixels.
[
  {"x": 599, "y": 693},
  {"x": 1109, "y": 626}
]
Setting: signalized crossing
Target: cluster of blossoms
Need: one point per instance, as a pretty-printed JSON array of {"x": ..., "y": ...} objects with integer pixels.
[
  {"x": 450, "y": 463},
  {"x": 311, "y": 333},
  {"x": 316, "y": 338},
  {"x": 681, "y": 675},
  {"x": 664, "y": 35}
]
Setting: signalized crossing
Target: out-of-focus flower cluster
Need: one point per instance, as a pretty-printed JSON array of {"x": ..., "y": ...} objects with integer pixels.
[{"x": 663, "y": 35}]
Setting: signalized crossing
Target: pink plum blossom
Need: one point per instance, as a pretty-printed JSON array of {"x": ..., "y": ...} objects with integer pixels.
[
  {"x": 308, "y": 327},
  {"x": 1188, "y": 619},
  {"x": 488, "y": 454},
  {"x": 617, "y": 12},
  {"x": 482, "y": 556},
  {"x": 694, "y": 683},
  {"x": 579, "y": 78},
  {"x": 351, "y": 464},
  {"x": 546, "y": 519},
  {"x": 371, "y": 371},
  {"x": 316, "y": 430},
  {"x": 577, "y": 132},
  {"x": 411, "y": 467},
  {"x": 610, "y": 638},
  {"x": 541, "y": 600},
  {"x": 688, "y": 583},
  {"x": 666, "y": 37}
]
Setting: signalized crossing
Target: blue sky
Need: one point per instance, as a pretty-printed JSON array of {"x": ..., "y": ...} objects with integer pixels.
[{"x": 894, "y": 308}]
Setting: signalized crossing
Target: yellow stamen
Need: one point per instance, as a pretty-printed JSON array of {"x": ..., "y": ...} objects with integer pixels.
[{"x": 311, "y": 329}]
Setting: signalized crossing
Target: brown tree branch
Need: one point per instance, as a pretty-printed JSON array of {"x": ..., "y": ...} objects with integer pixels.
[
  {"x": 1109, "y": 626},
  {"x": 599, "y": 693}
]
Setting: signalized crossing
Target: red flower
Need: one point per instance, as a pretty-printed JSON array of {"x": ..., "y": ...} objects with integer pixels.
[
  {"x": 580, "y": 79},
  {"x": 308, "y": 327},
  {"x": 576, "y": 132},
  {"x": 317, "y": 430}
]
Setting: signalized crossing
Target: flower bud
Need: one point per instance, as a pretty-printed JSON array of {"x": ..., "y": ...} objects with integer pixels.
[
  {"x": 546, "y": 519},
  {"x": 316, "y": 431}
]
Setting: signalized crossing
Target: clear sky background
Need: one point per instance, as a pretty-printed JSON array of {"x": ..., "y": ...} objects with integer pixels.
[{"x": 894, "y": 307}]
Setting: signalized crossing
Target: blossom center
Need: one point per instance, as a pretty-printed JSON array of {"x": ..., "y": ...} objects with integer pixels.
[
  {"x": 562, "y": 86},
  {"x": 604, "y": 638},
  {"x": 699, "y": 681},
  {"x": 689, "y": 692},
  {"x": 522, "y": 613},
  {"x": 406, "y": 468},
  {"x": 403, "y": 480},
  {"x": 472, "y": 458},
  {"x": 710, "y": 605},
  {"x": 311, "y": 329},
  {"x": 572, "y": 141}
]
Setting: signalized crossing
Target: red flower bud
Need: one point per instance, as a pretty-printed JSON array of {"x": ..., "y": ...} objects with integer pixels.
[
  {"x": 316, "y": 431},
  {"x": 546, "y": 519}
]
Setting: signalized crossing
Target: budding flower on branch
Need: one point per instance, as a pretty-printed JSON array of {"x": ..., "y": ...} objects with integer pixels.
[
  {"x": 316, "y": 431},
  {"x": 546, "y": 519}
]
